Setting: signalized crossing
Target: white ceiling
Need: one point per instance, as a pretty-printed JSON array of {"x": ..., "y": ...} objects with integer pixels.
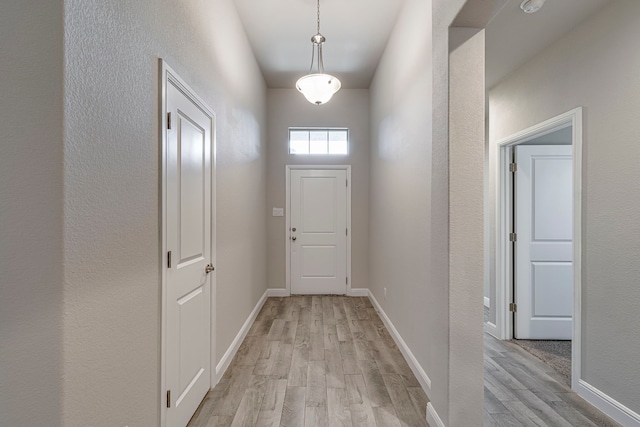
[{"x": 357, "y": 31}]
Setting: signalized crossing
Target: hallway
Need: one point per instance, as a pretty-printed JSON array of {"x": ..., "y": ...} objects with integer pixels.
[{"x": 316, "y": 361}]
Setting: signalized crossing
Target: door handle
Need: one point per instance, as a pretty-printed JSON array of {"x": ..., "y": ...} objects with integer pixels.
[
  {"x": 209, "y": 268},
  {"x": 293, "y": 238}
]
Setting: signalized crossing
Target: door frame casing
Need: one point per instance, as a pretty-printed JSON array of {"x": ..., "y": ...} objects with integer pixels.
[
  {"x": 288, "y": 169},
  {"x": 167, "y": 74},
  {"x": 503, "y": 328}
]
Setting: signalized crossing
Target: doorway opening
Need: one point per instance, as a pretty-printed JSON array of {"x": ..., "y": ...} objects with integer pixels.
[{"x": 538, "y": 241}]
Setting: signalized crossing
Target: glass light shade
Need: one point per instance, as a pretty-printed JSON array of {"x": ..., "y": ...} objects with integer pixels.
[{"x": 318, "y": 88}]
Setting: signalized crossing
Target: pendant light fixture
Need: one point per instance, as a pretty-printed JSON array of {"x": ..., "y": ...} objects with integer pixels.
[{"x": 317, "y": 86}]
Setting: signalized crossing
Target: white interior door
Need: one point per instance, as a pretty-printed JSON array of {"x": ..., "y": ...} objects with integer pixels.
[
  {"x": 318, "y": 231},
  {"x": 543, "y": 251},
  {"x": 188, "y": 232}
]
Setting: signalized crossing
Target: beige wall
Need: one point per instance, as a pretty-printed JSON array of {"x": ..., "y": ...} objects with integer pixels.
[
  {"x": 595, "y": 66},
  {"x": 419, "y": 250},
  {"x": 348, "y": 108},
  {"x": 111, "y": 178},
  {"x": 401, "y": 232},
  {"x": 466, "y": 237},
  {"x": 31, "y": 46}
]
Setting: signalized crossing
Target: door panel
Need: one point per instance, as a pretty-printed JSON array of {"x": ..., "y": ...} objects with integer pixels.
[
  {"x": 318, "y": 205},
  {"x": 318, "y": 231},
  {"x": 544, "y": 252},
  {"x": 189, "y": 220},
  {"x": 318, "y": 261},
  {"x": 551, "y": 287},
  {"x": 552, "y": 210},
  {"x": 192, "y": 175},
  {"x": 192, "y": 309}
]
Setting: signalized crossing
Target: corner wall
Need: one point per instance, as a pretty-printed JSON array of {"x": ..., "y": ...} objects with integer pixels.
[
  {"x": 426, "y": 205},
  {"x": 595, "y": 66},
  {"x": 348, "y": 108},
  {"x": 401, "y": 215},
  {"x": 31, "y": 151},
  {"x": 111, "y": 178}
]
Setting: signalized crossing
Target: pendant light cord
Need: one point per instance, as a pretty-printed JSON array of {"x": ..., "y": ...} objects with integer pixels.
[
  {"x": 318, "y": 16},
  {"x": 317, "y": 46}
]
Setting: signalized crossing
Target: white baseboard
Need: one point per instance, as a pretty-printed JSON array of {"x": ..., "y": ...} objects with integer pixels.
[
  {"x": 492, "y": 329},
  {"x": 433, "y": 419},
  {"x": 233, "y": 348},
  {"x": 487, "y": 302},
  {"x": 420, "y": 374},
  {"x": 608, "y": 405},
  {"x": 359, "y": 292},
  {"x": 278, "y": 292}
]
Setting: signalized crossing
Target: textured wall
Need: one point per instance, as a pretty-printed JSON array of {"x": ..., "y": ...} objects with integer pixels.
[
  {"x": 595, "y": 66},
  {"x": 111, "y": 177},
  {"x": 31, "y": 42},
  {"x": 400, "y": 232},
  {"x": 444, "y": 13},
  {"x": 466, "y": 237},
  {"x": 348, "y": 108}
]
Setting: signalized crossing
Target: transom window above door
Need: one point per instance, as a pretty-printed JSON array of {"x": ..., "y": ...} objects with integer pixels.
[{"x": 312, "y": 141}]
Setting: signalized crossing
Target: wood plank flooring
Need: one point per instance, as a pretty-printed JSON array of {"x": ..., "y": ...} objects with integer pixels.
[
  {"x": 316, "y": 361},
  {"x": 520, "y": 390},
  {"x": 329, "y": 361}
]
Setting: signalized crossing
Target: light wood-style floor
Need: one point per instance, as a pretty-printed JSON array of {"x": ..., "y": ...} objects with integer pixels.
[
  {"x": 316, "y": 361},
  {"x": 329, "y": 361},
  {"x": 520, "y": 390}
]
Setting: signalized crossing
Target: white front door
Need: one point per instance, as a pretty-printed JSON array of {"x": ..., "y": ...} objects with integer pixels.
[
  {"x": 318, "y": 231},
  {"x": 188, "y": 234},
  {"x": 543, "y": 249}
]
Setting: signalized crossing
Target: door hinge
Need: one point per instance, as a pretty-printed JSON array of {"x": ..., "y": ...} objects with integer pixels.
[
  {"x": 168, "y": 398},
  {"x": 169, "y": 259},
  {"x": 168, "y": 120},
  {"x": 346, "y": 231},
  {"x": 513, "y": 237},
  {"x": 513, "y": 167},
  {"x": 346, "y": 280},
  {"x": 513, "y": 307}
]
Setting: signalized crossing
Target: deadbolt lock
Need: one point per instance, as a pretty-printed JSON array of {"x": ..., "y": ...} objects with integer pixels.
[{"x": 293, "y": 229}]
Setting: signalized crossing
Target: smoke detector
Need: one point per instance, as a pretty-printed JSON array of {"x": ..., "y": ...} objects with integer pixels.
[{"x": 531, "y": 6}]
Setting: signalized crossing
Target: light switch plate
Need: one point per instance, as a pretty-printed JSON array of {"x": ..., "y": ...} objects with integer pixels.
[{"x": 278, "y": 211}]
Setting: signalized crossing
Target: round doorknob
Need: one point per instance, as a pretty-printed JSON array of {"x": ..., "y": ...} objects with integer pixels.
[
  {"x": 293, "y": 238},
  {"x": 209, "y": 268}
]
